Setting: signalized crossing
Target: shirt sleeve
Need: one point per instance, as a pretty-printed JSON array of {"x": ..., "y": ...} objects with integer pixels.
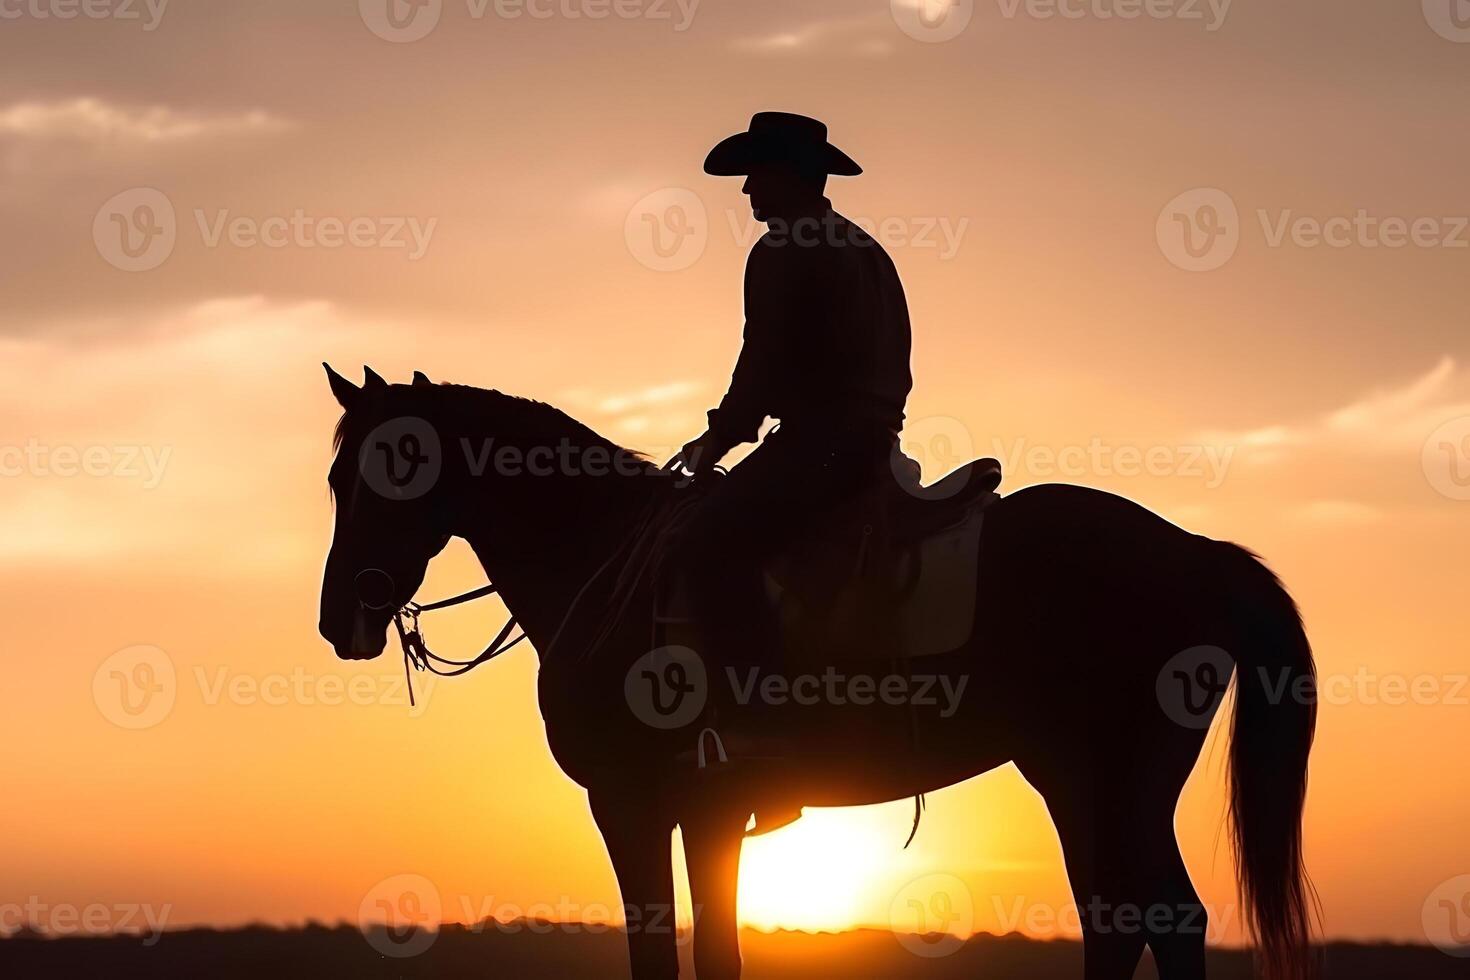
[{"x": 753, "y": 386}]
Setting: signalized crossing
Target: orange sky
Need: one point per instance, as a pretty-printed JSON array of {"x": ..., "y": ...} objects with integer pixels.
[{"x": 165, "y": 433}]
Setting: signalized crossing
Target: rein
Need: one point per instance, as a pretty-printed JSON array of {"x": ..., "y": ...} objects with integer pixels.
[{"x": 416, "y": 651}]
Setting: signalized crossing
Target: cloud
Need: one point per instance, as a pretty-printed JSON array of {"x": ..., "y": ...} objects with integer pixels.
[
  {"x": 148, "y": 439},
  {"x": 1386, "y": 420},
  {"x": 93, "y": 121},
  {"x": 817, "y": 34},
  {"x": 657, "y": 412},
  {"x": 156, "y": 434}
]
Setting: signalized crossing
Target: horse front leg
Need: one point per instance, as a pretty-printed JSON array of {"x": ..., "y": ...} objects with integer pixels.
[
  {"x": 712, "y": 842},
  {"x": 639, "y": 842}
]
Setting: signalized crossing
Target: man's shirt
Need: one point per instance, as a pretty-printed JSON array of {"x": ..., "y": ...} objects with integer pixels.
[{"x": 827, "y": 336}]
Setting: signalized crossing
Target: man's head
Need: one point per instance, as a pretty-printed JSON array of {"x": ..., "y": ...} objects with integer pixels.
[
  {"x": 782, "y": 191},
  {"x": 785, "y": 159}
]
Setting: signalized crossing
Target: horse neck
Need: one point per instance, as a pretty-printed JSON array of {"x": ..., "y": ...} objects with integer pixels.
[{"x": 540, "y": 538}]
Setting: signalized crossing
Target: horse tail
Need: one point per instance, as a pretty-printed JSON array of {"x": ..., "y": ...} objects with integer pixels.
[{"x": 1271, "y": 737}]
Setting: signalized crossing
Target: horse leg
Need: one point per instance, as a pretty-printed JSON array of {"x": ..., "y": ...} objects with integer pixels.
[
  {"x": 1177, "y": 930},
  {"x": 1096, "y": 853},
  {"x": 712, "y": 842},
  {"x": 639, "y": 842},
  {"x": 1128, "y": 877},
  {"x": 1173, "y": 917}
]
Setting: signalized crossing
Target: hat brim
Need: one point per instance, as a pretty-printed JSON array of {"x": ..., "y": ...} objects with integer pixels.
[{"x": 736, "y": 156}]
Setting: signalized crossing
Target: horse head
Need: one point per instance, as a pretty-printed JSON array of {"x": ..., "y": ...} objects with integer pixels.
[{"x": 388, "y": 483}]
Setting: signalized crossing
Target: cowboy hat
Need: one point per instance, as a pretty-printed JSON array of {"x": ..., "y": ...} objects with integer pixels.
[{"x": 779, "y": 137}]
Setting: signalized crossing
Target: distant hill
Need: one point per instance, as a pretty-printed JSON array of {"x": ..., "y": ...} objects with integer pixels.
[{"x": 534, "y": 949}]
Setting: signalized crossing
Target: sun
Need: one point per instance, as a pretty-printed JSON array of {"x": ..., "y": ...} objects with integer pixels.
[{"x": 817, "y": 874}]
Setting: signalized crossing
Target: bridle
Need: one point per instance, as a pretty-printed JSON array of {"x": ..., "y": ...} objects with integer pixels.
[{"x": 416, "y": 652}]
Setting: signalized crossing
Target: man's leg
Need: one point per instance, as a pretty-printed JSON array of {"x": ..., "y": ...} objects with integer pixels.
[{"x": 746, "y": 519}]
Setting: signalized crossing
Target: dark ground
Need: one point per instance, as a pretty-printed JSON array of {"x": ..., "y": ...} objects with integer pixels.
[{"x": 342, "y": 951}]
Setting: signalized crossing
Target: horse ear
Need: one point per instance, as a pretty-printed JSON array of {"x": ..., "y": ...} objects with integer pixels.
[
  {"x": 371, "y": 378},
  {"x": 421, "y": 379},
  {"x": 343, "y": 390}
]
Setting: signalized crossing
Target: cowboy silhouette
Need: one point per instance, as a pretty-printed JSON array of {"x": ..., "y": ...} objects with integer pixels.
[{"x": 826, "y": 352}]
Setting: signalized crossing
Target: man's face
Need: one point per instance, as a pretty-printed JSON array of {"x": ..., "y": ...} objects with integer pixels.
[{"x": 776, "y": 190}]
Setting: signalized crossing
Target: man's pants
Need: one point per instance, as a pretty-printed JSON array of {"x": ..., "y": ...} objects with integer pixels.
[{"x": 791, "y": 481}]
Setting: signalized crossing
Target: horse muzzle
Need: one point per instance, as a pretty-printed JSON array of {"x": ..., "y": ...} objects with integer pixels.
[{"x": 365, "y": 640}]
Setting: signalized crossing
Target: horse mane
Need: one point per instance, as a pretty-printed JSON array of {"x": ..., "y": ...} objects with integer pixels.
[{"x": 511, "y": 413}]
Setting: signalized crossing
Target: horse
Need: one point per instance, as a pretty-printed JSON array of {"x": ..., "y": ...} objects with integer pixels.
[{"x": 1092, "y": 613}]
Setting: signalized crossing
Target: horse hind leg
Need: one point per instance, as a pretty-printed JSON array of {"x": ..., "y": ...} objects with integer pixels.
[
  {"x": 1129, "y": 881},
  {"x": 1176, "y": 921},
  {"x": 1096, "y": 858},
  {"x": 1132, "y": 889}
]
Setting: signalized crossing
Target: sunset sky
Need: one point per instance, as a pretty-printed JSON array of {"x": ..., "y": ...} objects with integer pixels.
[{"x": 165, "y": 427}]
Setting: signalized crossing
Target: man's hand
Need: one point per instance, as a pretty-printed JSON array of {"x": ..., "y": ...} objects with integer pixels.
[{"x": 700, "y": 454}]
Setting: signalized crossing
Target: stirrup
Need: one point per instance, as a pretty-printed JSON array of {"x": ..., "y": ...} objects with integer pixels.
[{"x": 719, "y": 748}]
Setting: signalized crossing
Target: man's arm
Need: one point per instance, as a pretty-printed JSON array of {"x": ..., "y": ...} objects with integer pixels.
[{"x": 752, "y": 385}]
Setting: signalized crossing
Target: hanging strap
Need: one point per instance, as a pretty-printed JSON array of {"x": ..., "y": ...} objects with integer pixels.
[{"x": 416, "y": 652}]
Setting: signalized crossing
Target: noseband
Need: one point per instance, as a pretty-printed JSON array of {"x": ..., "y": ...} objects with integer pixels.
[{"x": 410, "y": 634}]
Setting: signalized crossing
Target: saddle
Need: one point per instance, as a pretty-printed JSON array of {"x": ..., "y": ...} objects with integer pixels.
[{"x": 890, "y": 576}]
